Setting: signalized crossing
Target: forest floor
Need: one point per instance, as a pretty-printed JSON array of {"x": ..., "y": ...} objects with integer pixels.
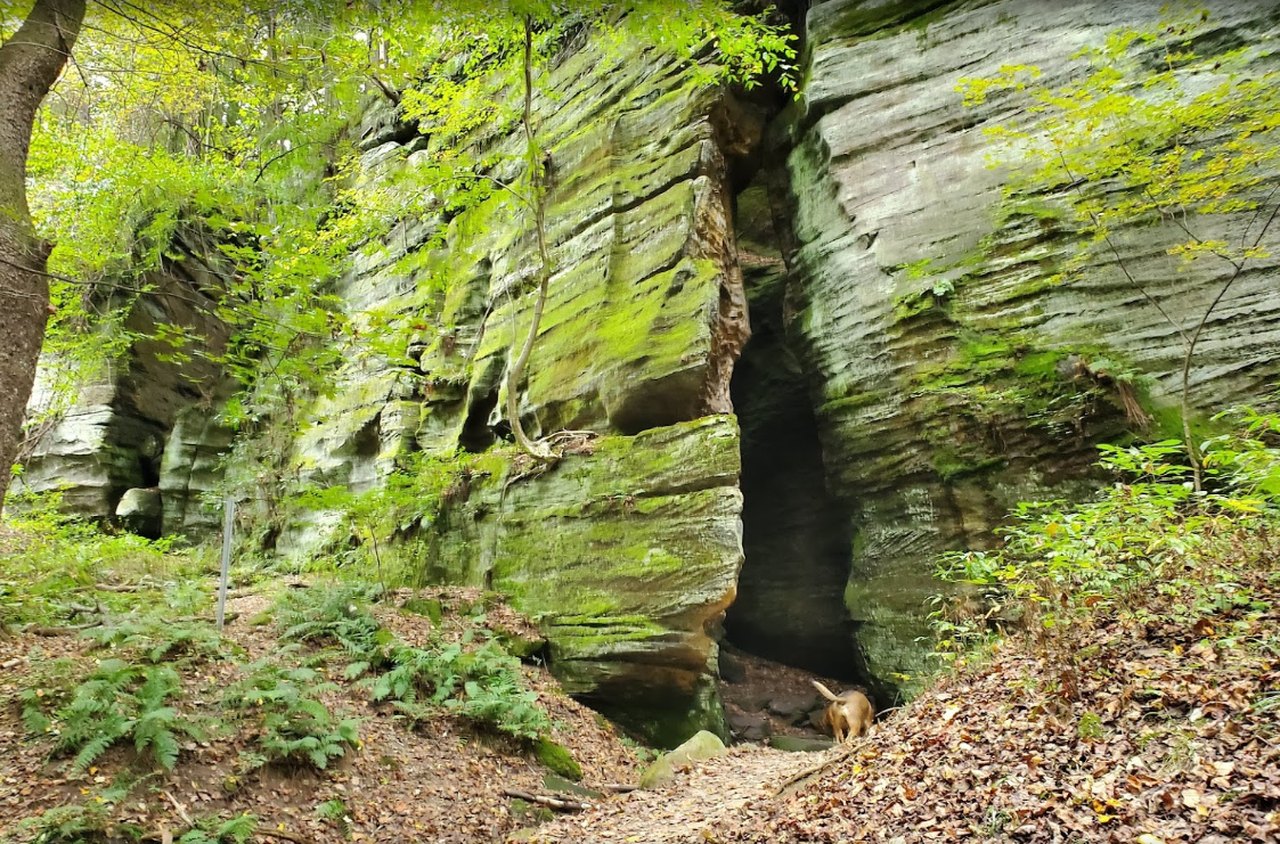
[
  {"x": 443, "y": 779},
  {"x": 1154, "y": 721}
]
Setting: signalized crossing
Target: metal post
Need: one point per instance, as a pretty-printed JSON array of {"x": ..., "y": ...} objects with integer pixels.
[{"x": 228, "y": 520}]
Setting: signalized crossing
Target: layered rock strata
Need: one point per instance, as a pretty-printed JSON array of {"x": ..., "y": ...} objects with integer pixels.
[{"x": 950, "y": 374}]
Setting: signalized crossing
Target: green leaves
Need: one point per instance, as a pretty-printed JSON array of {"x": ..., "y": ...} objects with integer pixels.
[
  {"x": 120, "y": 701},
  {"x": 1149, "y": 527},
  {"x": 1192, "y": 136},
  {"x": 297, "y": 727}
]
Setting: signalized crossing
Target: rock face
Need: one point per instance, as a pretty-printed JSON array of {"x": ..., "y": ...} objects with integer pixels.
[
  {"x": 629, "y": 555},
  {"x": 914, "y": 369},
  {"x": 950, "y": 377},
  {"x": 114, "y": 435}
]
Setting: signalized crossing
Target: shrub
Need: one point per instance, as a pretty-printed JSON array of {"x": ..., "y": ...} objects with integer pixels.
[
  {"x": 297, "y": 728},
  {"x": 339, "y": 616},
  {"x": 1151, "y": 529},
  {"x": 157, "y": 640},
  {"x": 215, "y": 830},
  {"x": 119, "y": 702},
  {"x": 482, "y": 685}
]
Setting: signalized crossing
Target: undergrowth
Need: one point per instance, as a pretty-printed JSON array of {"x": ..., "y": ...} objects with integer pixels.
[
  {"x": 119, "y": 702},
  {"x": 51, "y": 562},
  {"x": 480, "y": 682},
  {"x": 1150, "y": 532},
  {"x": 296, "y": 727}
]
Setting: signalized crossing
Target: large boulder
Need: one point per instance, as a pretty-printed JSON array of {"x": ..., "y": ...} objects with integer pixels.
[{"x": 627, "y": 556}]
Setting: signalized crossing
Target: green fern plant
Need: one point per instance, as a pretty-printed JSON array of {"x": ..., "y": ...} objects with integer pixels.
[
  {"x": 215, "y": 830},
  {"x": 338, "y": 617},
  {"x": 297, "y": 728},
  {"x": 77, "y": 824},
  {"x": 483, "y": 685},
  {"x": 157, "y": 640},
  {"x": 119, "y": 702}
]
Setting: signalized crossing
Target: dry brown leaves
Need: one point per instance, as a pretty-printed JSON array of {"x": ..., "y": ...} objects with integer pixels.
[
  {"x": 1174, "y": 736},
  {"x": 440, "y": 782}
]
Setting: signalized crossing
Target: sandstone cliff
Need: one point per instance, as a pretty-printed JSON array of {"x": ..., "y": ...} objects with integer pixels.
[{"x": 912, "y": 369}]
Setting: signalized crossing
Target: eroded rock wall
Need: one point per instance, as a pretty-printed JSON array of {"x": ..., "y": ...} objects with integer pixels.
[
  {"x": 629, "y": 554},
  {"x": 146, "y": 422},
  {"x": 950, "y": 375}
]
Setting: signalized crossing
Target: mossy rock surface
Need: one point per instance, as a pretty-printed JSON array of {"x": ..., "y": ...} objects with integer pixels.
[
  {"x": 556, "y": 757},
  {"x": 702, "y": 745},
  {"x": 955, "y": 373},
  {"x": 627, "y": 556}
]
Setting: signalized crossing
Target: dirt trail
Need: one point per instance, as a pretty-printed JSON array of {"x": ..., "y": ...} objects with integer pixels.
[{"x": 713, "y": 794}]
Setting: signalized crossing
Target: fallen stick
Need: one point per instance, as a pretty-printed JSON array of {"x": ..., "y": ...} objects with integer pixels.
[
  {"x": 182, "y": 813},
  {"x": 619, "y": 788},
  {"x": 557, "y": 803},
  {"x": 40, "y": 630},
  {"x": 803, "y": 775},
  {"x": 113, "y": 587}
]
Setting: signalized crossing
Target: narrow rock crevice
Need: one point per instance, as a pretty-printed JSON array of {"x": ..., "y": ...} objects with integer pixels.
[{"x": 797, "y": 537}]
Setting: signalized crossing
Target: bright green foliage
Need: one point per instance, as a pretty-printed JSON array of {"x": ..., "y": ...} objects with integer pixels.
[
  {"x": 157, "y": 640},
  {"x": 1151, "y": 131},
  {"x": 297, "y": 728},
  {"x": 120, "y": 701},
  {"x": 48, "y": 556},
  {"x": 216, "y": 830},
  {"x": 408, "y": 499},
  {"x": 231, "y": 125},
  {"x": 482, "y": 684},
  {"x": 1174, "y": 147},
  {"x": 77, "y": 823},
  {"x": 1151, "y": 529},
  {"x": 338, "y": 616}
]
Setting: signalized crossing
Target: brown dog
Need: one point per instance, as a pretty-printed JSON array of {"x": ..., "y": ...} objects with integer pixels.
[{"x": 848, "y": 714}]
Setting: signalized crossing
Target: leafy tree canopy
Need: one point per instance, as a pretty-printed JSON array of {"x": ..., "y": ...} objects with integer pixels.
[{"x": 236, "y": 121}]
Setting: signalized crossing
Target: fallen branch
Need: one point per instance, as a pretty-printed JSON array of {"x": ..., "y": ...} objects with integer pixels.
[
  {"x": 40, "y": 630},
  {"x": 790, "y": 782},
  {"x": 113, "y": 587},
  {"x": 557, "y": 803},
  {"x": 619, "y": 788},
  {"x": 182, "y": 813}
]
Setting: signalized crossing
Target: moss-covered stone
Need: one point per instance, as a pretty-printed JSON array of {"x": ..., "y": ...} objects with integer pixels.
[
  {"x": 555, "y": 757},
  {"x": 626, "y": 556},
  {"x": 702, "y": 745},
  {"x": 956, "y": 371}
]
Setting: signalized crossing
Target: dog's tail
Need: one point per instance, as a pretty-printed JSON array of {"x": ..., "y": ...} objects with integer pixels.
[{"x": 824, "y": 691}]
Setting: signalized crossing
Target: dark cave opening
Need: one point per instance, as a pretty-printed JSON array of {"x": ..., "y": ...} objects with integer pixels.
[{"x": 797, "y": 537}]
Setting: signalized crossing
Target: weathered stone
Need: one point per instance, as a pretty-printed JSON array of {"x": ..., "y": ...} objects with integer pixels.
[
  {"x": 115, "y": 435},
  {"x": 749, "y": 726},
  {"x": 630, "y": 555},
  {"x": 141, "y": 511},
  {"x": 937, "y": 411},
  {"x": 190, "y": 469},
  {"x": 731, "y": 668},
  {"x": 700, "y": 746},
  {"x": 626, "y": 556},
  {"x": 794, "y": 707}
]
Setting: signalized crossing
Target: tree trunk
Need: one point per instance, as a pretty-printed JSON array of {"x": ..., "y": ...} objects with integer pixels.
[
  {"x": 30, "y": 62},
  {"x": 538, "y": 197}
]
